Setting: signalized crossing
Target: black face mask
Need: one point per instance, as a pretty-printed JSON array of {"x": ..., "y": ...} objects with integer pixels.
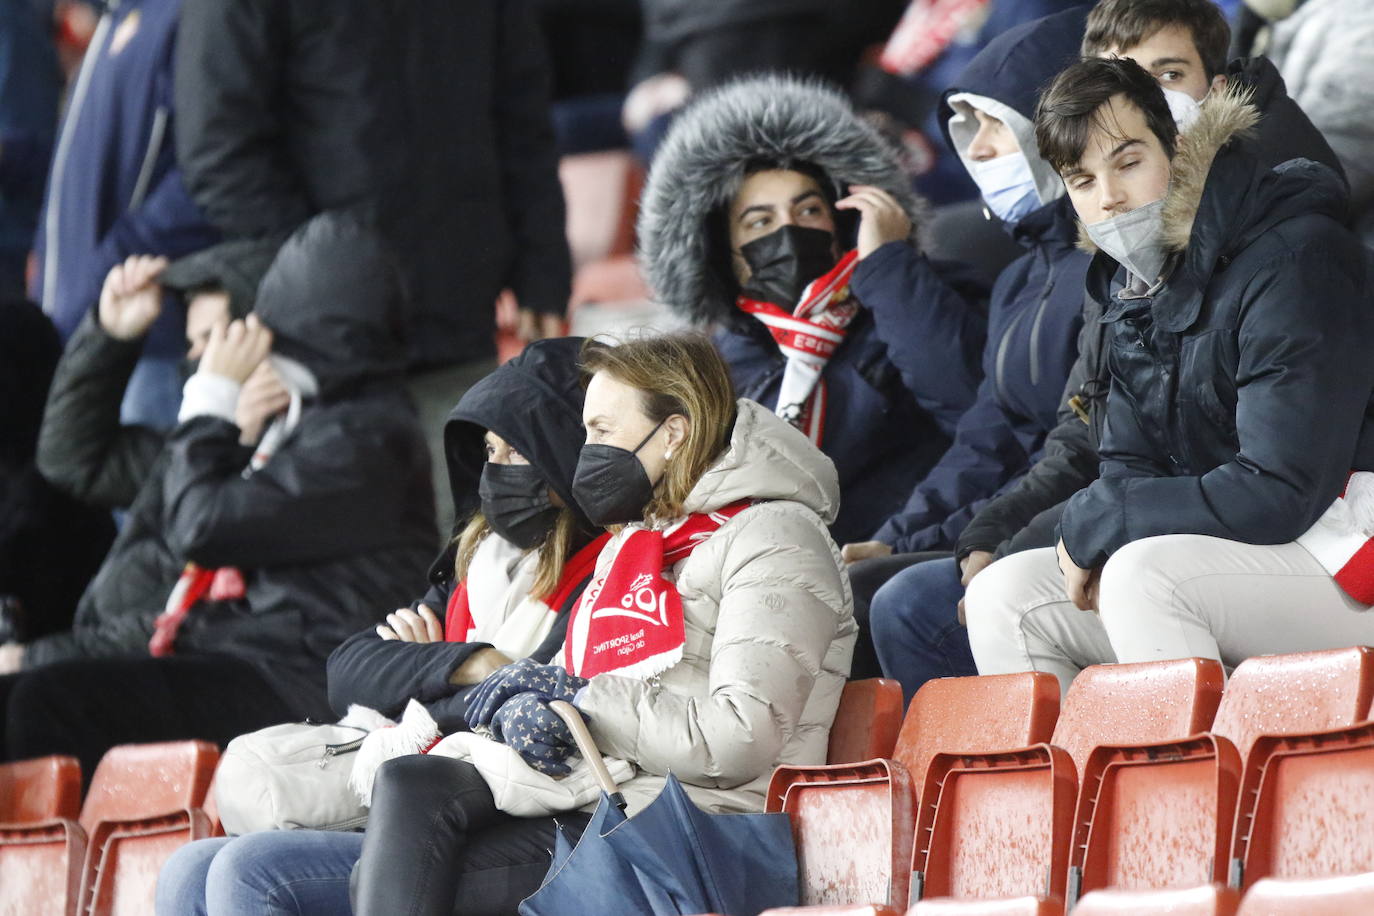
[
  {"x": 611, "y": 485},
  {"x": 784, "y": 261},
  {"x": 516, "y": 504}
]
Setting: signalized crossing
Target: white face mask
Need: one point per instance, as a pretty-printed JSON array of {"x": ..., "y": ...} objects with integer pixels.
[
  {"x": 1185, "y": 109},
  {"x": 1007, "y": 185},
  {"x": 1135, "y": 240}
]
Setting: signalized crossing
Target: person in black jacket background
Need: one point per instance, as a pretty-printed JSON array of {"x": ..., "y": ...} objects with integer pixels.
[
  {"x": 303, "y": 545},
  {"x": 430, "y": 117}
]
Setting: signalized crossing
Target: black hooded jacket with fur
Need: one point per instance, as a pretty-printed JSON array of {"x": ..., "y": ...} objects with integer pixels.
[
  {"x": 910, "y": 364},
  {"x": 1240, "y": 393}
]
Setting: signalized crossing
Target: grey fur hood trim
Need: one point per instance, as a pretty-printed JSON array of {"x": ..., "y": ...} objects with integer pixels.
[
  {"x": 1224, "y": 117},
  {"x": 702, "y": 161}
]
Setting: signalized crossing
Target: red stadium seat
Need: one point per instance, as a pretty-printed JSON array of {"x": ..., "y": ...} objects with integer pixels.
[
  {"x": 1010, "y": 906},
  {"x": 1208, "y": 900},
  {"x": 1341, "y": 896},
  {"x": 866, "y": 722},
  {"x": 143, "y": 802},
  {"x": 832, "y": 911},
  {"x": 1000, "y": 825},
  {"x": 1307, "y": 806},
  {"x": 39, "y": 790}
]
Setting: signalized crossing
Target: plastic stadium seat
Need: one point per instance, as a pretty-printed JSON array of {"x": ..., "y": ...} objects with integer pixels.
[
  {"x": 39, "y": 790},
  {"x": 1012, "y": 906},
  {"x": 1300, "y": 692},
  {"x": 852, "y": 866},
  {"x": 1342, "y": 896},
  {"x": 866, "y": 722},
  {"x": 1157, "y": 816},
  {"x": 832, "y": 911},
  {"x": 999, "y": 825},
  {"x": 852, "y": 826},
  {"x": 1307, "y": 806},
  {"x": 1208, "y": 900},
  {"x": 143, "y": 802}
]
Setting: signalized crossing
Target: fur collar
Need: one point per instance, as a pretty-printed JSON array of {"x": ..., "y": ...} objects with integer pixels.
[{"x": 1224, "y": 117}]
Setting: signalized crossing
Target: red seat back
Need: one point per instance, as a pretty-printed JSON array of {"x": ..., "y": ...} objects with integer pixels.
[
  {"x": 975, "y": 715},
  {"x": 1301, "y": 692},
  {"x": 142, "y": 780},
  {"x": 866, "y": 721},
  {"x": 38, "y": 790},
  {"x": 1138, "y": 704},
  {"x": 1007, "y": 906}
]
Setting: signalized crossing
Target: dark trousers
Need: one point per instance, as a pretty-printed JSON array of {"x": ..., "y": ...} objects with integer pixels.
[
  {"x": 88, "y": 706},
  {"x": 437, "y": 844},
  {"x": 865, "y": 578}
]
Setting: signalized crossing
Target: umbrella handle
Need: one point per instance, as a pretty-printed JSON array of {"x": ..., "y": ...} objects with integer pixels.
[{"x": 586, "y": 745}]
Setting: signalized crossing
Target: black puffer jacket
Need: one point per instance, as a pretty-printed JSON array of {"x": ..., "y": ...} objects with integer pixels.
[
  {"x": 1027, "y": 516},
  {"x": 430, "y": 115},
  {"x": 1241, "y": 391},
  {"x": 534, "y": 402},
  {"x": 337, "y": 524}
]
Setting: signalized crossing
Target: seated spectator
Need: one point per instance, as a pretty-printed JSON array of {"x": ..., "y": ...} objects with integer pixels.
[
  {"x": 774, "y": 213},
  {"x": 1214, "y": 461},
  {"x": 746, "y": 674},
  {"x": 504, "y": 588},
  {"x": 288, "y": 501},
  {"x": 1184, "y": 43},
  {"x": 1033, "y": 324},
  {"x": 50, "y": 545}
]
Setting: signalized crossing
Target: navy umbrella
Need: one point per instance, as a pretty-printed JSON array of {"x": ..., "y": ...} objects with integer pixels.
[{"x": 670, "y": 859}]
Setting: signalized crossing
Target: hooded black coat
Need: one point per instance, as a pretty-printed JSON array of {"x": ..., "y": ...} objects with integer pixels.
[
  {"x": 1027, "y": 515},
  {"x": 336, "y": 525},
  {"x": 534, "y": 402},
  {"x": 1241, "y": 389}
]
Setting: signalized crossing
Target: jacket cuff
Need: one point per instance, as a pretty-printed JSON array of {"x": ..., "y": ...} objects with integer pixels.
[{"x": 208, "y": 394}]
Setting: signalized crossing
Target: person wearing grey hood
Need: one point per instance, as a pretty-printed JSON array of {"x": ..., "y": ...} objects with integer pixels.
[
  {"x": 259, "y": 535},
  {"x": 774, "y": 213}
]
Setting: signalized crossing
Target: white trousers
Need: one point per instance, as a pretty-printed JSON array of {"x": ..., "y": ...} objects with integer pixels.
[{"x": 1174, "y": 596}]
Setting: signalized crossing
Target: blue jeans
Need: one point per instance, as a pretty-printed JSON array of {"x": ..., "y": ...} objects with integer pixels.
[
  {"x": 274, "y": 873},
  {"x": 916, "y": 629}
]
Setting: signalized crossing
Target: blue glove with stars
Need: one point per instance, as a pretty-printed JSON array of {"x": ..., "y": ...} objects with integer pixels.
[
  {"x": 548, "y": 682},
  {"x": 526, "y": 724}
]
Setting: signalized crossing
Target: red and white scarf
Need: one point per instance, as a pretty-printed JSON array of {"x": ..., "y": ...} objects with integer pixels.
[
  {"x": 629, "y": 621},
  {"x": 808, "y": 336},
  {"x": 225, "y": 583},
  {"x": 460, "y": 625},
  {"x": 926, "y": 29},
  {"x": 1342, "y": 540}
]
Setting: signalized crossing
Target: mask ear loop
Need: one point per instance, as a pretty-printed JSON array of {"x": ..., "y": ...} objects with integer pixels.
[{"x": 645, "y": 440}]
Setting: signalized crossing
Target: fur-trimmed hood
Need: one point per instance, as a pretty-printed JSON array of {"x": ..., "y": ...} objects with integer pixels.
[{"x": 702, "y": 162}]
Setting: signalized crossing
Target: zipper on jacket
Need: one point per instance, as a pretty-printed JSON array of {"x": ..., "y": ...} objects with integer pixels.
[
  {"x": 145, "y": 171},
  {"x": 335, "y": 750}
]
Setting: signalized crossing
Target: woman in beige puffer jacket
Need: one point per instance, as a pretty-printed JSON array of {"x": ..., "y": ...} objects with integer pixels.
[{"x": 767, "y": 624}]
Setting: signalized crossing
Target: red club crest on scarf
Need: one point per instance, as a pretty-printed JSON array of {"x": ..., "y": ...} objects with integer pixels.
[{"x": 629, "y": 621}]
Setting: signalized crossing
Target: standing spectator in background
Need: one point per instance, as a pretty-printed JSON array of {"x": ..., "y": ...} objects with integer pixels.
[
  {"x": 690, "y": 46},
  {"x": 1323, "y": 50},
  {"x": 428, "y": 116},
  {"x": 30, "y": 83},
  {"x": 115, "y": 190},
  {"x": 50, "y": 545}
]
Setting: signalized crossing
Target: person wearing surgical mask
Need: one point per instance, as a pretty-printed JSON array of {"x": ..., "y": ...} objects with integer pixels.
[
  {"x": 779, "y": 217},
  {"x": 1237, "y": 454},
  {"x": 1033, "y": 325}
]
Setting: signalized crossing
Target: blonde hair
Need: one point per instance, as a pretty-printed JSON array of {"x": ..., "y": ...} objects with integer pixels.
[
  {"x": 553, "y": 552},
  {"x": 674, "y": 374}
]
